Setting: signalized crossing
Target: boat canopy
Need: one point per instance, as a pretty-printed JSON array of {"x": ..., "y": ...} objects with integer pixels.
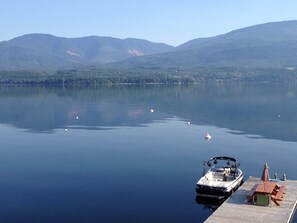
[
  {"x": 214, "y": 160},
  {"x": 223, "y": 158}
]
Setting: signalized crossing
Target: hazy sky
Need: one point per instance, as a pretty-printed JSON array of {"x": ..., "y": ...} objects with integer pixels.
[{"x": 169, "y": 21}]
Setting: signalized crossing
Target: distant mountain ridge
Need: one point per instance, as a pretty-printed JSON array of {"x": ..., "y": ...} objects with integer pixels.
[
  {"x": 267, "y": 45},
  {"x": 270, "y": 45},
  {"x": 38, "y": 51}
]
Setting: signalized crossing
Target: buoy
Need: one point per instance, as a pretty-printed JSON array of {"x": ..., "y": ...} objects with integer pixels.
[
  {"x": 152, "y": 110},
  {"x": 65, "y": 130},
  {"x": 76, "y": 117},
  {"x": 207, "y": 137},
  {"x": 188, "y": 123}
]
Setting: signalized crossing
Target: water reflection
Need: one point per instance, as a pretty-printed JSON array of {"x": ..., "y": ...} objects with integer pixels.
[{"x": 262, "y": 110}]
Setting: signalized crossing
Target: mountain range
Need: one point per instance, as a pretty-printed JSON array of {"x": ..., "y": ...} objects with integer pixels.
[
  {"x": 270, "y": 45},
  {"x": 44, "y": 51}
]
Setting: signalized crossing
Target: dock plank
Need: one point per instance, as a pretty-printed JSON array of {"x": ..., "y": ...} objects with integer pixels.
[{"x": 236, "y": 209}]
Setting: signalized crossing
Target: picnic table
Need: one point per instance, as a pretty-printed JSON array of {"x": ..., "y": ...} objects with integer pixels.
[
  {"x": 265, "y": 187},
  {"x": 268, "y": 191}
]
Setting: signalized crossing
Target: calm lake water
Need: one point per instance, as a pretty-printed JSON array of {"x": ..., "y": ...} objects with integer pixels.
[{"x": 101, "y": 155}]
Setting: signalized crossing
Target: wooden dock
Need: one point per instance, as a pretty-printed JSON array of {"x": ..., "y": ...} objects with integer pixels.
[{"x": 236, "y": 209}]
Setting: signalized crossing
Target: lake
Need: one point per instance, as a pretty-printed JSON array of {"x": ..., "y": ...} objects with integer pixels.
[{"x": 127, "y": 154}]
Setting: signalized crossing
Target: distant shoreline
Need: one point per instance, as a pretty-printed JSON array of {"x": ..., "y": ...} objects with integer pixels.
[{"x": 110, "y": 76}]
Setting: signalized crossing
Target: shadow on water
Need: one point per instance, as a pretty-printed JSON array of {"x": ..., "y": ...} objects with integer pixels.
[{"x": 210, "y": 203}]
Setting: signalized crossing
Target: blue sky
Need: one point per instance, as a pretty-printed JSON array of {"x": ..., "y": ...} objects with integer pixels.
[{"x": 169, "y": 21}]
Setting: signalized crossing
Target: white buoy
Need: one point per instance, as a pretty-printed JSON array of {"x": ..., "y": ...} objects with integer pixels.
[
  {"x": 152, "y": 110},
  {"x": 207, "y": 137},
  {"x": 278, "y": 116},
  {"x": 188, "y": 123},
  {"x": 65, "y": 130},
  {"x": 76, "y": 117}
]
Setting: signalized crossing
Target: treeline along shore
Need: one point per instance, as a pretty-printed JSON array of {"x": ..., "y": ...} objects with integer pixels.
[{"x": 102, "y": 76}]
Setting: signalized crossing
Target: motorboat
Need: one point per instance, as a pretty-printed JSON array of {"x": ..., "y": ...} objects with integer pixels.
[{"x": 221, "y": 177}]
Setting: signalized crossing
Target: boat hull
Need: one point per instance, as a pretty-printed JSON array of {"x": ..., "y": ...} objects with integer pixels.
[
  {"x": 208, "y": 191},
  {"x": 219, "y": 191}
]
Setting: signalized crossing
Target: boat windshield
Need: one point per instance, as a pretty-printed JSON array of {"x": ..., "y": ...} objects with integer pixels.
[{"x": 219, "y": 169}]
